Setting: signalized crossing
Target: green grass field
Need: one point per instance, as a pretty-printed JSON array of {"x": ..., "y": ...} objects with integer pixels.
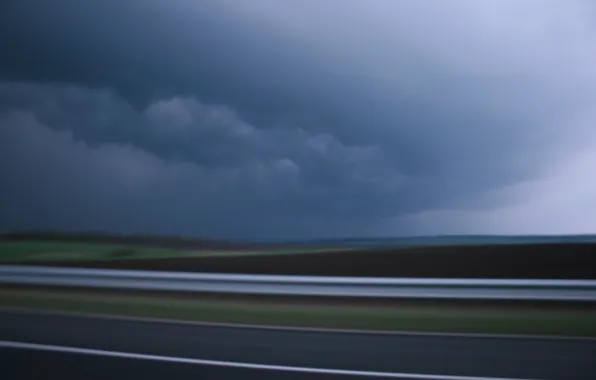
[
  {"x": 40, "y": 251},
  {"x": 52, "y": 251},
  {"x": 444, "y": 318}
]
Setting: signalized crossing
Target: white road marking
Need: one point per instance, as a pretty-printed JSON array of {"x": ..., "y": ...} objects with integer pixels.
[{"x": 171, "y": 359}]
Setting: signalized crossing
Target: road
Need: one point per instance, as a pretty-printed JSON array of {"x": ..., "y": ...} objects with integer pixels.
[{"x": 124, "y": 349}]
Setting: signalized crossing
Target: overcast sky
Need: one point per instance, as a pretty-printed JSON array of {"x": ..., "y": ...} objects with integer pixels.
[{"x": 295, "y": 119}]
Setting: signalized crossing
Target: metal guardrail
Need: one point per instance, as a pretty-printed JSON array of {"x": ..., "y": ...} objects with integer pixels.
[{"x": 413, "y": 288}]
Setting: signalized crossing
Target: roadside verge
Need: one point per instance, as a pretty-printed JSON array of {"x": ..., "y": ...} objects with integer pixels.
[{"x": 516, "y": 319}]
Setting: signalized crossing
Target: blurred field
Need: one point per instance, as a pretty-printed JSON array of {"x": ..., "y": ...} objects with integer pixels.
[
  {"x": 525, "y": 257},
  {"x": 49, "y": 251},
  {"x": 532, "y": 261},
  {"x": 426, "y": 317}
]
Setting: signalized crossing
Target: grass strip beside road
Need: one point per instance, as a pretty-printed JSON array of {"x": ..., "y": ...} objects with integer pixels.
[{"x": 443, "y": 318}]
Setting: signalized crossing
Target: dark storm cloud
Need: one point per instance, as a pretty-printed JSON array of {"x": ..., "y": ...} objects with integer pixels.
[
  {"x": 183, "y": 163},
  {"x": 200, "y": 117}
]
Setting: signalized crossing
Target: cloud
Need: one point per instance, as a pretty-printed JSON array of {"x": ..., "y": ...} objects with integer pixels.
[
  {"x": 182, "y": 158},
  {"x": 333, "y": 117},
  {"x": 560, "y": 200}
]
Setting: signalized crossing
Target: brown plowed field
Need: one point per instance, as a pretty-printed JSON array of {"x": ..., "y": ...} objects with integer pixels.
[{"x": 496, "y": 261}]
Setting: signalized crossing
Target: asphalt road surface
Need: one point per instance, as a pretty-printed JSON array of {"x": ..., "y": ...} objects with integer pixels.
[{"x": 36, "y": 345}]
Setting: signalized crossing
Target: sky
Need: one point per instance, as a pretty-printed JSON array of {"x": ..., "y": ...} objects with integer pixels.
[{"x": 298, "y": 119}]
